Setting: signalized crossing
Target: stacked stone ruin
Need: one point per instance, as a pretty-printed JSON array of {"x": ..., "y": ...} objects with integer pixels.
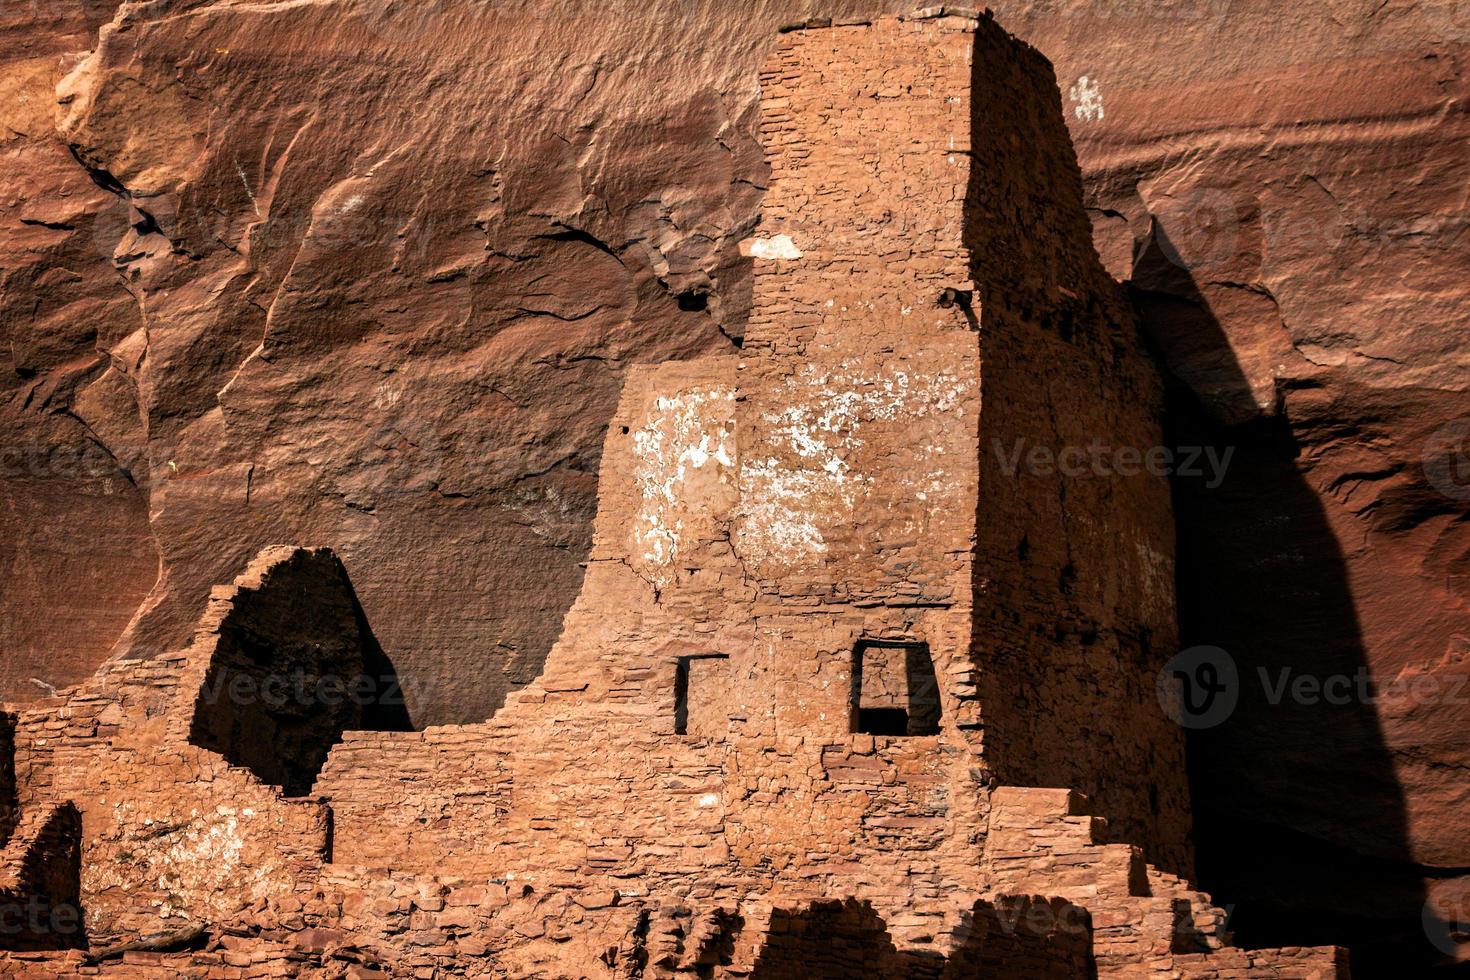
[{"x": 843, "y": 693}]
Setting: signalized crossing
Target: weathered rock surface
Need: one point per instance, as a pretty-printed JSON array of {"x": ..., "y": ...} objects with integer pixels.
[
  {"x": 1286, "y": 191},
  {"x": 369, "y": 275}
]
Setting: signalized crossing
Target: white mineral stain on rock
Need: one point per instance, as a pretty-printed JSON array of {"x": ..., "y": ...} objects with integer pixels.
[
  {"x": 687, "y": 437},
  {"x": 778, "y": 521},
  {"x": 808, "y": 481},
  {"x": 776, "y": 247},
  {"x": 198, "y": 862},
  {"x": 1087, "y": 97}
]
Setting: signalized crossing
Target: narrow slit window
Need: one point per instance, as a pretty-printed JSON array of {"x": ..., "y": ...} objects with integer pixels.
[
  {"x": 894, "y": 689},
  {"x": 701, "y": 690}
]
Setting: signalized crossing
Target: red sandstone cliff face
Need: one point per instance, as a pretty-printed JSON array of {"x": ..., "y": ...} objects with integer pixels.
[
  {"x": 1291, "y": 187},
  {"x": 369, "y": 275}
]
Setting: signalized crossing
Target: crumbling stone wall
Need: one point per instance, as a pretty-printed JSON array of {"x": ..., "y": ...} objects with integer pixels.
[
  {"x": 697, "y": 479},
  {"x": 173, "y": 834},
  {"x": 40, "y": 882},
  {"x": 787, "y": 508},
  {"x": 9, "y": 797},
  {"x": 294, "y": 667}
]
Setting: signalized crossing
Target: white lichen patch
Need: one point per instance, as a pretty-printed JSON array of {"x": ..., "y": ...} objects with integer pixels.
[
  {"x": 821, "y": 464},
  {"x": 684, "y": 456}
]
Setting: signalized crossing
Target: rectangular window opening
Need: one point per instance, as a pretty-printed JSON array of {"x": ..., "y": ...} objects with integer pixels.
[
  {"x": 894, "y": 689},
  {"x": 701, "y": 692}
]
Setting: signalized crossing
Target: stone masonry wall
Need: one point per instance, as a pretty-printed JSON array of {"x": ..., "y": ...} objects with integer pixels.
[
  {"x": 9, "y": 796},
  {"x": 788, "y": 506},
  {"x": 859, "y": 388},
  {"x": 172, "y": 834},
  {"x": 40, "y": 887},
  {"x": 703, "y": 464},
  {"x": 294, "y": 667},
  {"x": 1074, "y": 570}
]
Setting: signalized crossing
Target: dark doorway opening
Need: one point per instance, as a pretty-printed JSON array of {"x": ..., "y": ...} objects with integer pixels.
[{"x": 295, "y": 665}]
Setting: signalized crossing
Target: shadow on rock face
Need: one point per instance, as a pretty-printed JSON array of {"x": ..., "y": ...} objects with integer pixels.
[
  {"x": 1300, "y": 822},
  {"x": 1013, "y": 937}
]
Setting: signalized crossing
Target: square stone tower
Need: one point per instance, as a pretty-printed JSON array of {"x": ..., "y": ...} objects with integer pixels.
[
  {"x": 937, "y": 382},
  {"x": 861, "y": 383},
  {"x": 843, "y": 540}
]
